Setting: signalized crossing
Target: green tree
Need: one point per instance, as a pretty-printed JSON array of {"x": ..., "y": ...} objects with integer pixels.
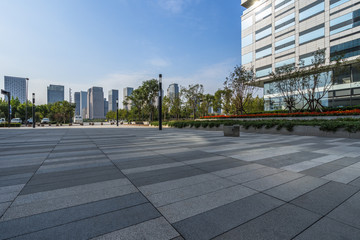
[
  {"x": 175, "y": 109},
  {"x": 241, "y": 82},
  {"x": 165, "y": 107},
  {"x": 111, "y": 115},
  {"x": 192, "y": 94}
]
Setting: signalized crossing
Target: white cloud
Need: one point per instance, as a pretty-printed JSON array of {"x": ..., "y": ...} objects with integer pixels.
[
  {"x": 159, "y": 62},
  {"x": 211, "y": 77},
  {"x": 174, "y": 6}
]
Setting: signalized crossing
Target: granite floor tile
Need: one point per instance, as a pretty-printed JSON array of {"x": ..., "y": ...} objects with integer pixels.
[
  {"x": 193, "y": 206},
  {"x": 155, "y": 229},
  {"x": 324, "y": 199},
  {"x": 284, "y": 222},
  {"x": 224, "y": 218},
  {"x": 330, "y": 230}
]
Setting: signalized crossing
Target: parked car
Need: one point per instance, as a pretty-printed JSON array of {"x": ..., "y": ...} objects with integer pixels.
[
  {"x": 16, "y": 120},
  {"x": 45, "y": 120},
  {"x": 78, "y": 119},
  {"x": 29, "y": 121},
  {"x": 2, "y": 120}
]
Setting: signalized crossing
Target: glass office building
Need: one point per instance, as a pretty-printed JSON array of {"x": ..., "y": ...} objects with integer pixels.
[
  {"x": 16, "y": 86},
  {"x": 276, "y": 33},
  {"x": 55, "y": 93}
]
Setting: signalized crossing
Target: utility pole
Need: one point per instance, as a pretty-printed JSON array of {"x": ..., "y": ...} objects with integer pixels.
[
  {"x": 70, "y": 105},
  {"x": 160, "y": 101},
  {"x": 33, "y": 110},
  {"x": 117, "y": 112},
  {"x": 26, "y": 109}
]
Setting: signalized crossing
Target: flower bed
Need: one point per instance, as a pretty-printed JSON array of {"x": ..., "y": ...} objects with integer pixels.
[{"x": 296, "y": 114}]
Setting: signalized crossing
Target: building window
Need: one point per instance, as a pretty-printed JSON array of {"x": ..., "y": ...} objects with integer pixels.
[
  {"x": 311, "y": 10},
  {"x": 263, "y": 71},
  {"x": 335, "y": 3},
  {"x": 247, "y": 58},
  {"x": 285, "y": 44},
  {"x": 312, "y": 34},
  {"x": 263, "y": 13},
  {"x": 246, "y": 41},
  {"x": 290, "y": 61},
  {"x": 356, "y": 73},
  {"x": 246, "y": 23},
  {"x": 280, "y": 4},
  {"x": 345, "y": 22},
  {"x": 345, "y": 50},
  {"x": 263, "y": 32},
  {"x": 263, "y": 52},
  {"x": 285, "y": 22}
]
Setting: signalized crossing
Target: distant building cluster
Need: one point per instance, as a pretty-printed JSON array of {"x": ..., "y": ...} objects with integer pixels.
[{"x": 90, "y": 104}]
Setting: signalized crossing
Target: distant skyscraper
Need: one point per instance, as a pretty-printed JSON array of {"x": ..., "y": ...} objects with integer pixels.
[
  {"x": 77, "y": 103},
  {"x": 55, "y": 93},
  {"x": 127, "y": 92},
  {"x": 95, "y": 103},
  {"x": 106, "y": 107},
  {"x": 16, "y": 86},
  {"x": 173, "y": 91},
  {"x": 113, "y": 95},
  {"x": 83, "y": 103}
]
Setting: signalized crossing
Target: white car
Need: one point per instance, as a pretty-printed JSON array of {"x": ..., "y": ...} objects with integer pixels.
[
  {"x": 2, "y": 120},
  {"x": 16, "y": 120},
  {"x": 45, "y": 120},
  {"x": 78, "y": 119}
]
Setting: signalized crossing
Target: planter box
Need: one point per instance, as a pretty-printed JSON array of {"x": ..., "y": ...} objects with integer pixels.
[
  {"x": 304, "y": 131},
  {"x": 232, "y": 131}
]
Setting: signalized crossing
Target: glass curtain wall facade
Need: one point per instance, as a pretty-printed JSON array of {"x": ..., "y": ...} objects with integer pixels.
[{"x": 276, "y": 33}]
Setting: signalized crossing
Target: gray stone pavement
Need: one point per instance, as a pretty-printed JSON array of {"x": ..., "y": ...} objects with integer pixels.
[{"x": 139, "y": 183}]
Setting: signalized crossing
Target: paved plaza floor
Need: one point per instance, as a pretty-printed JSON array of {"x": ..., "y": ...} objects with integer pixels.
[{"x": 139, "y": 183}]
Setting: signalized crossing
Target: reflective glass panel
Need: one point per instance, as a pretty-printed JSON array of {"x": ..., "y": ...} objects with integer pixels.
[
  {"x": 280, "y": 4},
  {"x": 246, "y": 41},
  {"x": 312, "y": 11},
  {"x": 263, "y": 53},
  {"x": 264, "y": 33},
  {"x": 312, "y": 35},
  {"x": 246, "y": 23},
  {"x": 263, "y": 73},
  {"x": 263, "y": 14},
  {"x": 285, "y": 62},
  {"x": 279, "y": 24},
  {"x": 338, "y": 3},
  {"x": 247, "y": 58}
]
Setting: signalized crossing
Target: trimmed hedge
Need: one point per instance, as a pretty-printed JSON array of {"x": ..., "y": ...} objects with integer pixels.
[
  {"x": 11, "y": 125},
  {"x": 349, "y": 124}
]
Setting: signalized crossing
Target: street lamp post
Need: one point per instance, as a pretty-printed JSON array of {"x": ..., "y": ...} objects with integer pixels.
[
  {"x": 9, "y": 107},
  {"x": 33, "y": 110},
  {"x": 117, "y": 112},
  {"x": 160, "y": 101},
  {"x": 26, "y": 109}
]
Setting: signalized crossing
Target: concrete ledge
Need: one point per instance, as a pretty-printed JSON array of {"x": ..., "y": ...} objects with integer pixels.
[{"x": 298, "y": 130}]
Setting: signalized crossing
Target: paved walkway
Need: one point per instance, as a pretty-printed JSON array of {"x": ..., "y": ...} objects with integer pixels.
[{"x": 139, "y": 183}]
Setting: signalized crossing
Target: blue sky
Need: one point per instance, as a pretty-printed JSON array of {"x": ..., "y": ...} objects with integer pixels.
[{"x": 118, "y": 43}]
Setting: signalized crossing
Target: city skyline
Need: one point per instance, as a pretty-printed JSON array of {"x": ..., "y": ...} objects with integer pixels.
[{"x": 183, "y": 40}]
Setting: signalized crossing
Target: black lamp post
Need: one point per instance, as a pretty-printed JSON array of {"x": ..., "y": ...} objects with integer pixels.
[
  {"x": 9, "y": 107},
  {"x": 26, "y": 109},
  {"x": 117, "y": 112},
  {"x": 33, "y": 110},
  {"x": 160, "y": 101}
]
